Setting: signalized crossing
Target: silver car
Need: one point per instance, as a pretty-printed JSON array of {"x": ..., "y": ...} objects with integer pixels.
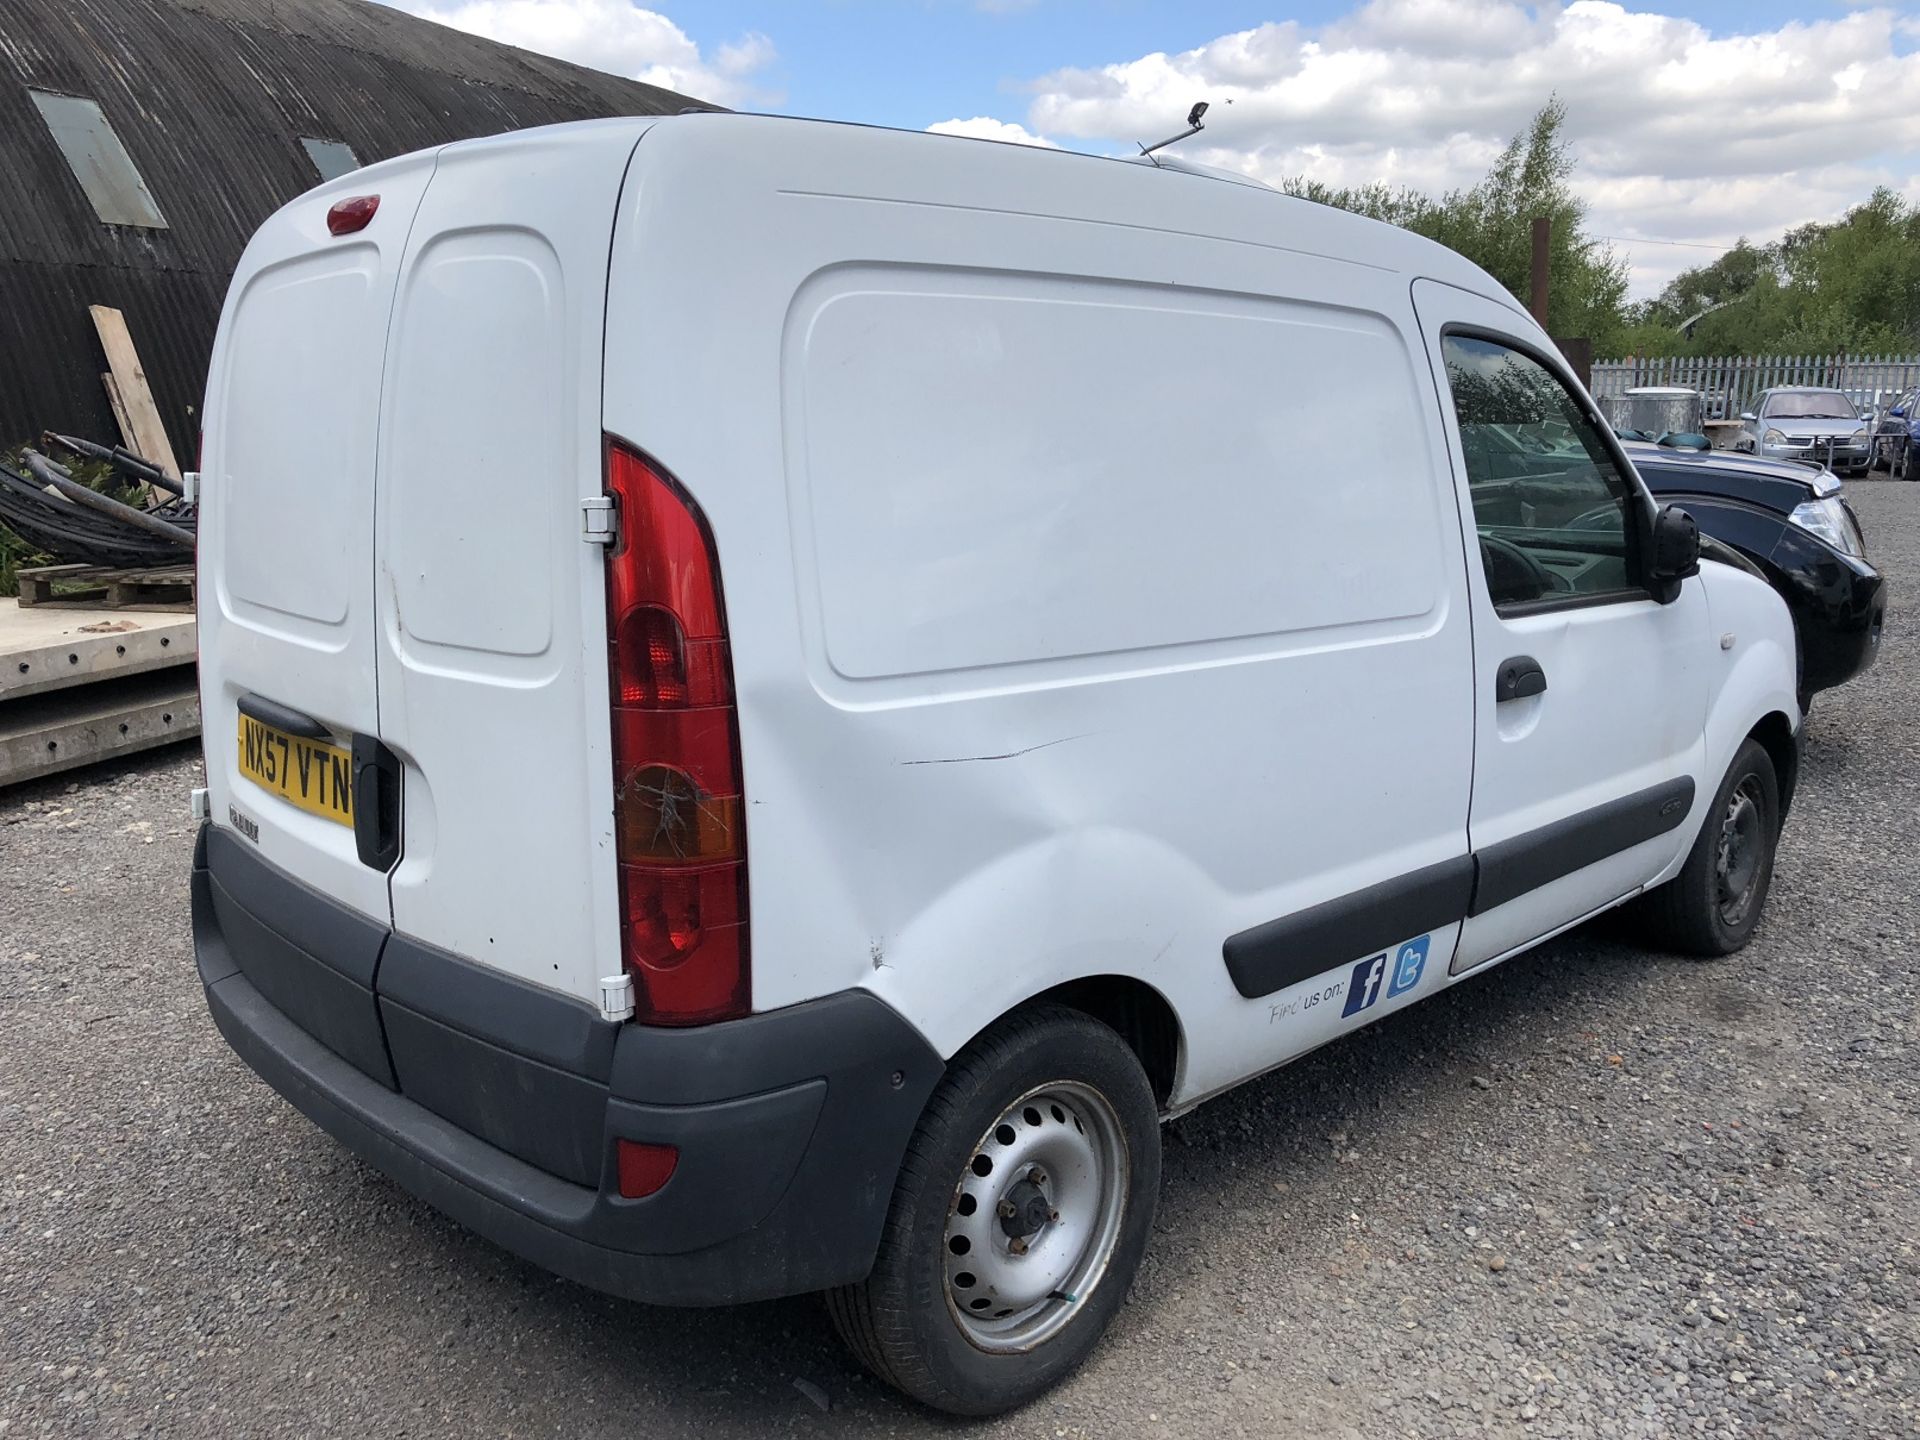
[{"x": 1808, "y": 422}]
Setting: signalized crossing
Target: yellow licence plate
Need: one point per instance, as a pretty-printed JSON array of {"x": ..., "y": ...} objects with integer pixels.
[{"x": 312, "y": 774}]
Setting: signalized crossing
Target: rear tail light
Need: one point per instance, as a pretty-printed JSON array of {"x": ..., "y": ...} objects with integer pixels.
[{"x": 678, "y": 814}]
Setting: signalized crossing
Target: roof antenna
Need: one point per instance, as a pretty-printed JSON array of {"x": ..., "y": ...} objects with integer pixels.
[{"x": 1194, "y": 127}]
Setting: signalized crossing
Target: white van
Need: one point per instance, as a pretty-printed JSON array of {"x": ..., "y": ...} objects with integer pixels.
[{"x": 777, "y": 694}]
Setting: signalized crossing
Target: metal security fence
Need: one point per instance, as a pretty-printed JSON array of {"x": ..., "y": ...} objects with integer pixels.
[{"x": 1728, "y": 384}]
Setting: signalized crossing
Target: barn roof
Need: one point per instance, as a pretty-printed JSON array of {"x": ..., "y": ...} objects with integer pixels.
[{"x": 211, "y": 100}]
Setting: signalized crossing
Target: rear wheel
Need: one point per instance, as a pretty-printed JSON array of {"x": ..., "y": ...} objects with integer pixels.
[
  {"x": 1712, "y": 906},
  {"x": 1020, "y": 1216}
]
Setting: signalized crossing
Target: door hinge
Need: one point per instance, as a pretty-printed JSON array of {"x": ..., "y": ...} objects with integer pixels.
[
  {"x": 597, "y": 525},
  {"x": 616, "y": 997}
]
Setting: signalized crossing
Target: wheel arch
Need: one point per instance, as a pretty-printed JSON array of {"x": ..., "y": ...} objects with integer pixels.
[
  {"x": 1775, "y": 734},
  {"x": 1142, "y": 1017}
]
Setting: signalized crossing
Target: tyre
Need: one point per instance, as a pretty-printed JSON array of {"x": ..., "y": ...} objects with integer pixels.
[
  {"x": 1022, "y": 1209},
  {"x": 1712, "y": 906}
]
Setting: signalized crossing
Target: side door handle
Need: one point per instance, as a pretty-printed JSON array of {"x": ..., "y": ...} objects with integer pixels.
[{"x": 1518, "y": 678}]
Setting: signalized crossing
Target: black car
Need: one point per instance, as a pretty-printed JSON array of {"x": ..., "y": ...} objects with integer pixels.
[{"x": 1790, "y": 521}]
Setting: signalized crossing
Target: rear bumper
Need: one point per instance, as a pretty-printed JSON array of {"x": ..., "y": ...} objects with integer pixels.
[{"x": 499, "y": 1104}]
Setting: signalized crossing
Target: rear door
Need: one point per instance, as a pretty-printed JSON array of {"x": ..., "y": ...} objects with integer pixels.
[
  {"x": 1590, "y": 697},
  {"x": 490, "y": 603},
  {"x": 287, "y": 626}
]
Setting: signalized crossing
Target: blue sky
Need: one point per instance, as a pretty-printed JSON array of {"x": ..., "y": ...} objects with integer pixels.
[
  {"x": 913, "y": 63},
  {"x": 1694, "y": 122}
]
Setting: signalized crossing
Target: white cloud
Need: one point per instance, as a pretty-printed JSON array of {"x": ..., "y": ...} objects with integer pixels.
[
  {"x": 1681, "y": 133},
  {"x": 981, "y": 127},
  {"x": 615, "y": 36}
]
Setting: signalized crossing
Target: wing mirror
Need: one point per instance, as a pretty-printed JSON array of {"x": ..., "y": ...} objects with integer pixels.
[
  {"x": 1748, "y": 416},
  {"x": 1674, "y": 554},
  {"x": 1899, "y": 412}
]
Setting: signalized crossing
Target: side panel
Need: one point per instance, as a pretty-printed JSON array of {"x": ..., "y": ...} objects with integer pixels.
[
  {"x": 490, "y": 605},
  {"x": 286, "y": 522},
  {"x": 1129, "y": 593},
  {"x": 943, "y": 540}
]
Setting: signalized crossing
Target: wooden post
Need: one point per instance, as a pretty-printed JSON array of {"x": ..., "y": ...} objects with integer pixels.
[{"x": 1542, "y": 234}]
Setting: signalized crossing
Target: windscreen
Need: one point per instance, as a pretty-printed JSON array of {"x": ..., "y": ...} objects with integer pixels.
[{"x": 1812, "y": 405}]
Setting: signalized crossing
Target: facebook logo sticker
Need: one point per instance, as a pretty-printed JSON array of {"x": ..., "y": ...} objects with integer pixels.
[
  {"x": 1408, "y": 966},
  {"x": 1364, "y": 988}
]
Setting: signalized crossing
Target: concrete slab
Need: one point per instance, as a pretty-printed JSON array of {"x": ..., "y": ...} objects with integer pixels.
[
  {"x": 44, "y": 649},
  {"x": 48, "y": 733}
]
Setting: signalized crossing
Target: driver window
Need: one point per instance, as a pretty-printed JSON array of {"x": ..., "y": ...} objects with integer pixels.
[{"x": 1549, "y": 503}]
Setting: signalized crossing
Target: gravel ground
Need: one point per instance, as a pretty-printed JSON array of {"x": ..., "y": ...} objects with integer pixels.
[{"x": 1593, "y": 1193}]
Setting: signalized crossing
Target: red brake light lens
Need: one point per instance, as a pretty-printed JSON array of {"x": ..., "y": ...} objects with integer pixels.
[
  {"x": 679, "y": 815},
  {"x": 351, "y": 214}
]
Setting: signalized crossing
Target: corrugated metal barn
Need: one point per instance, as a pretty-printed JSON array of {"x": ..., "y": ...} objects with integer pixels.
[{"x": 142, "y": 141}]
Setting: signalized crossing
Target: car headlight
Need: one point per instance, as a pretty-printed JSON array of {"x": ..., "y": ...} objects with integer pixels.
[
  {"x": 1773, "y": 437},
  {"x": 1859, "y": 437},
  {"x": 1828, "y": 519}
]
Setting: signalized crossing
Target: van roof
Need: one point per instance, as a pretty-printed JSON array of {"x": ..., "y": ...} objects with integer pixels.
[{"x": 1309, "y": 226}]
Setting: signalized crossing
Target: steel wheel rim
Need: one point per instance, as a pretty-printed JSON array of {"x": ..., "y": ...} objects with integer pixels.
[
  {"x": 1013, "y": 1291},
  {"x": 1737, "y": 861}
]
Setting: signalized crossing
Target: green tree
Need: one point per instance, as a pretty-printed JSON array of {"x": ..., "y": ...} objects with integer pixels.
[
  {"x": 1850, "y": 286},
  {"x": 1491, "y": 223}
]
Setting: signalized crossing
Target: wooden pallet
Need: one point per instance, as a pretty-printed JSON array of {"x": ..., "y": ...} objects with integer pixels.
[{"x": 101, "y": 586}]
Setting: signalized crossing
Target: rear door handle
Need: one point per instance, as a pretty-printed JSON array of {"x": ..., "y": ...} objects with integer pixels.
[
  {"x": 280, "y": 717},
  {"x": 376, "y": 803},
  {"x": 1518, "y": 678}
]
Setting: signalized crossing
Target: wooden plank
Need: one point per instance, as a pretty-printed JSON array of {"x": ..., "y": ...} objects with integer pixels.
[
  {"x": 112, "y": 387},
  {"x": 142, "y": 491},
  {"x": 148, "y": 433}
]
